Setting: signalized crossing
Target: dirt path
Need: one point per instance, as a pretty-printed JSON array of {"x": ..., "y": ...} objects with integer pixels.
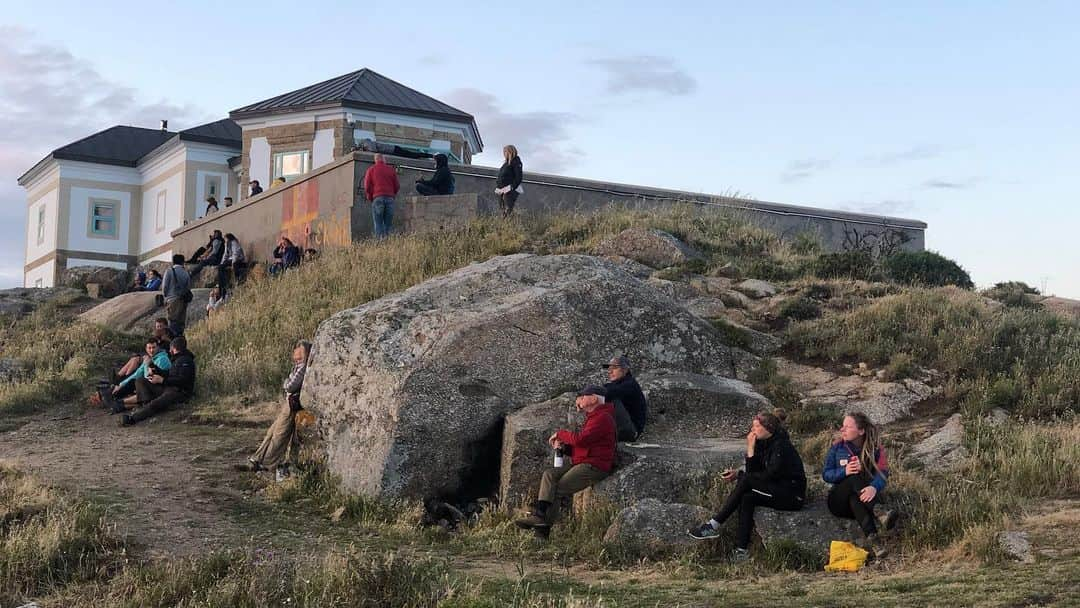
[{"x": 166, "y": 483}]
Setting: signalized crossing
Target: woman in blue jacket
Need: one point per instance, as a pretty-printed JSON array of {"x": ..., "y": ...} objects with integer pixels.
[
  {"x": 858, "y": 469},
  {"x": 123, "y": 394}
]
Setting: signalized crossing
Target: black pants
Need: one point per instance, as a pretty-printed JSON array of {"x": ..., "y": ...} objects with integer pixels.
[
  {"x": 155, "y": 398},
  {"x": 506, "y": 202},
  {"x": 223, "y": 278},
  {"x": 750, "y": 494},
  {"x": 426, "y": 190},
  {"x": 844, "y": 502}
]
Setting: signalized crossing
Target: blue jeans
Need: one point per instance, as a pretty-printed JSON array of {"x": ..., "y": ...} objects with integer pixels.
[{"x": 382, "y": 212}]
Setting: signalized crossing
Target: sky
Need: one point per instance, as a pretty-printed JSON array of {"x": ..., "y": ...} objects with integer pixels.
[{"x": 965, "y": 115}]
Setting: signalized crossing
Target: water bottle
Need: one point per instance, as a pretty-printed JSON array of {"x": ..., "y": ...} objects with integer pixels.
[{"x": 560, "y": 457}]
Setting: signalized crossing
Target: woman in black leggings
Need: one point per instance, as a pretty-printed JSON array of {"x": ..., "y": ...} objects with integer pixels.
[
  {"x": 773, "y": 478},
  {"x": 857, "y": 467}
]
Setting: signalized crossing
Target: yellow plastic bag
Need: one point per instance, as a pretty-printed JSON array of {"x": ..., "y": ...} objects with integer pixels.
[{"x": 845, "y": 557}]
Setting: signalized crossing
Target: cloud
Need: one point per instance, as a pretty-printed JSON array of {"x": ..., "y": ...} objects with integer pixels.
[
  {"x": 947, "y": 184},
  {"x": 432, "y": 60},
  {"x": 542, "y": 138},
  {"x": 645, "y": 73},
  {"x": 49, "y": 98},
  {"x": 914, "y": 153},
  {"x": 798, "y": 170},
  {"x": 882, "y": 207}
]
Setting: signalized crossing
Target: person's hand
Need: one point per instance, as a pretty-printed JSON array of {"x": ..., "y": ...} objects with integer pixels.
[
  {"x": 868, "y": 493},
  {"x": 116, "y": 389},
  {"x": 751, "y": 439},
  {"x": 853, "y": 466},
  {"x": 553, "y": 440},
  {"x": 156, "y": 379},
  {"x": 146, "y": 359},
  {"x": 729, "y": 475}
]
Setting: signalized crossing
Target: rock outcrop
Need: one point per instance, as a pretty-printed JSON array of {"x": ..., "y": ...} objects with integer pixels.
[
  {"x": 110, "y": 281},
  {"x": 411, "y": 390},
  {"x": 944, "y": 450},
  {"x": 756, "y": 289},
  {"x": 651, "y": 247},
  {"x": 811, "y": 529},
  {"x": 20, "y": 301},
  {"x": 525, "y": 450},
  {"x": 655, "y": 526},
  {"x": 135, "y": 312},
  {"x": 1016, "y": 545}
]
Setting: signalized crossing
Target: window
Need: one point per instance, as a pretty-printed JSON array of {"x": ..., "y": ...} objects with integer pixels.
[
  {"x": 159, "y": 212},
  {"x": 291, "y": 165},
  {"x": 41, "y": 225},
  {"x": 103, "y": 218}
]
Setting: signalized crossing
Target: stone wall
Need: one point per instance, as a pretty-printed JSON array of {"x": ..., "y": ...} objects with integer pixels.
[{"x": 293, "y": 138}]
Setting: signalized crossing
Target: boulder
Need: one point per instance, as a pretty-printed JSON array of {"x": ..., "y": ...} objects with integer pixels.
[
  {"x": 669, "y": 471},
  {"x": 812, "y": 529},
  {"x": 706, "y": 308},
  {"x": 525, "y": 450},
  {"x": 135, "y": 312},
  {"x": 695, "y": 405},
  {"x": 411, "y": 390},
  {"x": 757, "y": 342},
  {"x": 21, "y": 301},
  {"x": 1016, "y": 545},
  {"x": 676, "y": 290},
  {"x": 655, "y": 526},
  {"x": 734, "y": 299},
  {"x": 12, "y": 370},
  {"x": 728, "y": 270},
  {"x": 203, "y": 279},
  {"x": 709, "y": 286},
  {"x": 756, "y": 289},
  {"x": 654, "y": 248},
  {"x": 110, "y": 281},
  {"x": 637, "y": 269},
  {"x": 944, "y": 450}
]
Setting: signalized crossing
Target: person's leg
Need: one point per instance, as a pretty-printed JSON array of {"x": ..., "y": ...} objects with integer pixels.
[
  {"x": 223, "y": 278},
  {"x": 159, "y": 404},
  {"x": 239, "y": 272},
  {"x": 129, "y": 367},
  {"x": 174, "y": 312},
  {"x": 425, "y": 190},
  {"x": 576, "y": 479},
  {"x": 733, "y": 500},
  {"x": 181, "y": 317},
  {"x": 388, "y": 216},
  {"x": 549, "y": 483},
  {"x": 376, "y": 217},
  {"x": 838, "y": 500},
  {"x": 278, "y": 438},
  {"x": 146, "y": 391}
]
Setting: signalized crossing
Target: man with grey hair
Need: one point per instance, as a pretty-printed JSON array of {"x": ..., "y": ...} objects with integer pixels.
[
  {"x": 631, "y": 408},
  {"x": 380, "y": 187}
]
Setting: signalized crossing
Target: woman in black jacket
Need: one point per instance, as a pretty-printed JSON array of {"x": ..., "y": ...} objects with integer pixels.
[
  {"x": 508, "y": 182},
  {"x": 774, "y": 478},
  {"x": 442, "y": 182}
]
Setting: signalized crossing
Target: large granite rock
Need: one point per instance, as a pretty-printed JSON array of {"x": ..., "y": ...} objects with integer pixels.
[
  {"x": 812, "y": 528},
  {"x": 655, "y": 526},
  {"x": 944, "y": 450},
  {"x": 756, "y": 288},
  {"x": 525, "y": 450},
  {"x": 12, "y": 370},
  {"x": 110, "y": 281},
  {"x": 411, "y": 390},
  {"x": 20, "y": 301},
  {"x": 654, "y": 248},
  {"x": 695, "y": 405},
  {"x": 135, "y": 312}
]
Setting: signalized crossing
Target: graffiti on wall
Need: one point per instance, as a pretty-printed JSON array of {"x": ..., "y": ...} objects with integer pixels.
[{"x": 305, "y": 226}]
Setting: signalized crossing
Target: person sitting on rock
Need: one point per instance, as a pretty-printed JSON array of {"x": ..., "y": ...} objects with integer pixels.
[
  {"x": 286, "y": 255},
  {"x": 592, "y": 458},
  {"x": 140, "y": 281},
  {"x": 280, "y": 442},
  {"x": 156, "y": 393},
  {"x": 624, "y": 392},
  {"x": 213, "y": 254},
  {"x": 857, "y": 467},
  {"x": 155, "y": 360},
  {"x": 153, "y": 281},
  {"x": 774, "y": 478},
  {"x": 442, "y": 182},
  {"x": 214, "y": 301}
]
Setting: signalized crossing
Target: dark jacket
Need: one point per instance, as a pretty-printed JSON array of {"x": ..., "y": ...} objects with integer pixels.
[
  {"x": 256, "y": 190},
  {"x": 775, "y": 461},
  {"x": 627, "y": 391},
  {"x": 217, "y": 251},
  {"x": 834, "y": 472},
  {"x": 442, "y": 181},
  {"x": 510, "y": 174},
  {"x": 595, "y": 444},
  {"x": 288, "y": 256},
  {"x": 182, "y": 373}
]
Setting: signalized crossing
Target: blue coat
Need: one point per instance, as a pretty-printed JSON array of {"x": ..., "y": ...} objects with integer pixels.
[
  {"x": 835, "y": 473},
  {"x": 161, "y": 361}
]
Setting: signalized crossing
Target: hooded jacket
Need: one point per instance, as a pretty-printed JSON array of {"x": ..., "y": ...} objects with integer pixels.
[
  {"x": 834, "y": 472},
  {"x": 380, "y": 180},
  {"x": 776, "y": 461},
  {"x": 442, "y": 181},
  {"x": 595, "y": 443},
  {"x": 182, "y": 373},
  {"x": 160, "y": 360},
  {"x": 627, "y": 391}
]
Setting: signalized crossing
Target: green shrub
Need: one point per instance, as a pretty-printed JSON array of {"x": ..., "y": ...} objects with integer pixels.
[
  {"x": 859, "y": 265},
  {"x": 806, "y": 243},
  {"x": 776, "y": 387},
  {"x": 813, "y": 417},
  {"x": 1014, "y": 293},
  {"x": 733, "y": 335},
  {"x": 926, "y": 268},
  {"x": 901, "y": 365},
  {"x": 800, "y": 308}
]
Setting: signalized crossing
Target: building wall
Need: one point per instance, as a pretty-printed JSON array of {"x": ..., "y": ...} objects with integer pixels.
[
  {"x": 44, "y": 272},
  {"x": 155, "y": 230},
  {"x": 48, "y": 200},
  {"x": 80, "y": 237}
]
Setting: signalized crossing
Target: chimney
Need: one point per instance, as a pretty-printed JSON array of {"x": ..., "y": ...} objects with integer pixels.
[{"x": 164, "y": 125}]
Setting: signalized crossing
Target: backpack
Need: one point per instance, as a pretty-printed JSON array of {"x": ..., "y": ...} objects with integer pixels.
[{"x": 187, "y": 296}]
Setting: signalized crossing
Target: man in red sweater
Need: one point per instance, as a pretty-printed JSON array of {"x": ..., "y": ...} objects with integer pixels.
[
  {"x": 592, "y": 454},
  {"x": 380, "y": 187}
]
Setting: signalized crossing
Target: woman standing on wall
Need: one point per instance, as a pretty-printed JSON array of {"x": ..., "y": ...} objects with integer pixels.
[{"x": 508, "y": 183}]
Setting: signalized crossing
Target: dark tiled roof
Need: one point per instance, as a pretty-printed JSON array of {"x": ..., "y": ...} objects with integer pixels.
[
  {"x": 360, "y": 89},
  {"x": 222, "y": 132},
  {"x": 119, "y": 145}
]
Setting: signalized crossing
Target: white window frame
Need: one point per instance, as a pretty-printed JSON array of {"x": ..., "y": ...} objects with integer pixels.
[
  {"x": 91, "y": 229},
  {"x": 279, "y": 162},
  {"x": 161, "y": 209},
  {"x": 39, "y": 283}
]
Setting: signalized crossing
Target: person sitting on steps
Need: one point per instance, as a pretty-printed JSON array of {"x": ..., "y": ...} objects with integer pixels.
[
  {"x": 774, "y": 478},
  {"x": 857, "y": 467},
  {"x": 280, "y": 443},
  {"x": 624, "y": 393},
  {"x": 156, "y": 393},
  {"x": 592, "y": 458}
]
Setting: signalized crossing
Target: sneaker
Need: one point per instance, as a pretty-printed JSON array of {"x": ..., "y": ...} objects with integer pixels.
[
  {"x": 740, "y": 555},
  {"x": 532, "y": 521},
  {"x": 127, "y": 420},
  {"x": 887, "y": 520},
  {"x": 248, "y": 466},
  {"x": 117, "y": 407},
  {"x": 542, "y": 532},
  {"x": 876, "y": 546},
  {"x": 704, "y": 532}
]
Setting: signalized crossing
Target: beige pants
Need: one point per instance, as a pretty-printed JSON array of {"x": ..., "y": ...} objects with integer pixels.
[
  {"x": 563, "y": 482},
  {"x": 281, "y": 440}
]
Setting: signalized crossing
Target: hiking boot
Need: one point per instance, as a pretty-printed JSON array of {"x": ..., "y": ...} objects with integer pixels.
[
  {"x": 127, "y": 420},
  {"x": 887, "y": 520},
  {"x": 740, "y": 555},
  {"x": 542, "y": 532},
  {"x": 116, "y": 407},
  {"x": 532, "y": 521},
  {"x": 704, "y": 532},
  {"x": 248, "y": 466},
  {"x": 875, "y": 546}
]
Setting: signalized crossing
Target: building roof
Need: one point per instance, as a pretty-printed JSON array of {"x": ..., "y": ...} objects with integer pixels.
[
  {"x": 125, "y": 146},
  {"x": 360, "y": 89}
]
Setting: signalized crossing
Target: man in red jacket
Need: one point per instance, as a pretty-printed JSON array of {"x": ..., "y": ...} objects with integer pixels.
[
  {"x": 592, "y": 453},
  {"x": 380, "y": 187}
]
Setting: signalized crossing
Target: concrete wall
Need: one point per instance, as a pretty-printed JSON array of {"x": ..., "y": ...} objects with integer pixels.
[{"x": 560, "y": 193}]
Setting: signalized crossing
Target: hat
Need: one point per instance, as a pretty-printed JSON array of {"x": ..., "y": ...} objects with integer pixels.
[
  {"x": 621, "y": 361},
  {"x": 592, "y": 389}
]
